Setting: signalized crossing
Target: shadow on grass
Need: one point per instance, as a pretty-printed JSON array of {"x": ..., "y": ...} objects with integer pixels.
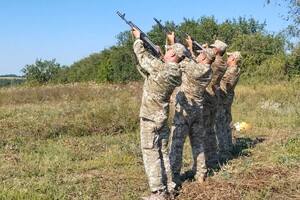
[
  {"x": 241, "y": 145},
  {"x": 239, "y": 149}
]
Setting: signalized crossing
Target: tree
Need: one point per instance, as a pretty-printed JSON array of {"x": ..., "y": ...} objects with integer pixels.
[
  {"x": 230, "y": 29},
  {"x": 118, "y": 63},
  {"x": 293, "y": 68},
  {"x": 255, "y": 49},
  {"x": 84, "y": 70},
  {"x": 204, "y": 30},
  {"x": 42, "y": 72},
  {"x": 292, "y": 15}
]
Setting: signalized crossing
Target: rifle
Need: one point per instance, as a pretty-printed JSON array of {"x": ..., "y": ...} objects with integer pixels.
[
  {"x": 147, "y": 42},
  {"x": 196, "y": 45},
  {"x": 176, "y": 39}
]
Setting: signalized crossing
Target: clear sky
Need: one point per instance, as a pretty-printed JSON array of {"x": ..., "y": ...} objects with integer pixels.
[{"x": 70, "y": 30}]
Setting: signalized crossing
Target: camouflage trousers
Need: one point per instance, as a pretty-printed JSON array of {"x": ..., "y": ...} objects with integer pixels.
[
  {"x": 154, "y": 143},
  {"x": 210, "y": 138},
  {"x": 224, "y": 132},
  {"x": 187, "y": 121}
]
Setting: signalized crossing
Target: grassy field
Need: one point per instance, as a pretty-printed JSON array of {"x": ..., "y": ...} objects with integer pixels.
[{"x": 81, "y": 141}]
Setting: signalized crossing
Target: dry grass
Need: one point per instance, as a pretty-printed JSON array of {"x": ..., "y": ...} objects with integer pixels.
[
  {"x": 267, "y": 159},
  {"x": 82, "y": 142}
]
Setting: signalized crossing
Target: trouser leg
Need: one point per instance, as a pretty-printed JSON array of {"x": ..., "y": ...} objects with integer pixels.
[
  {"x": 210, "y": 138},
  {"x": 179, "y": 133},
  {"x": 164, "y": 154},
  {"x": 154, "y": 152},
  {"x": 223, "y": 131},
  {"x": 197, "y": 145}
]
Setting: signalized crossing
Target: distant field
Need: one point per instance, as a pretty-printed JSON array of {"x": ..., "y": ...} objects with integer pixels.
[
  {"x": 7, "y": 81},
  {"x": 81, "y": 141},
  {"x": 12, "y": 77}
]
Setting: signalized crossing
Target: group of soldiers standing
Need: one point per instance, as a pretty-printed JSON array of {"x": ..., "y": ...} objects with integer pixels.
[{"x": 204, "y": 93}]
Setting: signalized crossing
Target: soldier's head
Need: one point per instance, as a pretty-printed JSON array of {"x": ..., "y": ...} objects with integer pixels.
[
  {"x": 233, "y": 58},
  {"x": 175, "y": 53},
  {"x": 219, "y": 47},
  {"x": 206, "y": 56}
]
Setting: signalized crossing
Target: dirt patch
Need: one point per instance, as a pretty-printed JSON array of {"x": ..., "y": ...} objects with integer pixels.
[{"x": 269, "y": 183}]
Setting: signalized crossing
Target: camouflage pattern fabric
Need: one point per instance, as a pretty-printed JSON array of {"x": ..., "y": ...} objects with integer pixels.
[
  {"x": 224, "y": 117},
  {"x": 159, "y": 84},
  {"x": 224, "y": 135},
  {"x": 154, "y": 143},
  {"x": 218, "y": 70},
  {"x": 188, "y": 119},
  {"x": 210, "y": 107}
]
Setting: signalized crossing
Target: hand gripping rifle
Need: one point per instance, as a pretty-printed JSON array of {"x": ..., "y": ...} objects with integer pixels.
[
  {"x": 196, "y": 45},
  {"x": 176, "y": 39},
  {"x": 147, "y": 42}
]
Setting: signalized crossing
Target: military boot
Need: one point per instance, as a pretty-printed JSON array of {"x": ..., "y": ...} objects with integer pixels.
[{"x": 158, "y": 195}]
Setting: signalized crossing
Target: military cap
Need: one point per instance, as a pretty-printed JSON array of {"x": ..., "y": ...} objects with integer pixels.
[
  {"x": 210, "y": 54},
  {"x": 219, "y": 45},
  {"x": 179, "y": 49},
  {"x": 236, "y": 54}
]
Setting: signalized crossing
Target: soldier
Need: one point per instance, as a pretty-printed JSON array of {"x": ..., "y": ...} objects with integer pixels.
[
  {"x": 211, "y": 103},
  {"x": 224, "y": 118},
  {"x": 162, "y": 78},
  {"x": 188, "y": 120}
]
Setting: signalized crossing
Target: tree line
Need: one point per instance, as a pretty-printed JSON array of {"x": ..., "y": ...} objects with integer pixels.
[{"x": 267, "y": 56}]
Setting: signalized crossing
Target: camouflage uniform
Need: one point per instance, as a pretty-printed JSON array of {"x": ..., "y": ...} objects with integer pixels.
[
  {"x": 210, "y": 107},
  {"x": 158, "y": 86},
  {"x": 188, "y": 119},
  {"x": 224, "y": 118}
]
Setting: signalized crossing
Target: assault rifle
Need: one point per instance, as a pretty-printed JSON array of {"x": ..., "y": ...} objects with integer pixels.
[
  {"x": 196, "y": 45},
  {"x": 176, "y": 39},
  {"x": 147, "y": 42}
]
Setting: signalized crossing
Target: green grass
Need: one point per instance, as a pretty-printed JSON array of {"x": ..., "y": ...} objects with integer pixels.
[
  {"x": 93, "y": 167},
  {"x": 81, "y": 141},
  {"x": 267, "y": 161}
]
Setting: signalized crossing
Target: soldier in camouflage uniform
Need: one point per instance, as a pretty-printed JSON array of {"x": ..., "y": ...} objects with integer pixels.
[
  {"x": 224, "y": 118},
  {"x": 162, "y": 78},
  {"x": 211, "y": 103},
  {"x": 188, "y": 120}
]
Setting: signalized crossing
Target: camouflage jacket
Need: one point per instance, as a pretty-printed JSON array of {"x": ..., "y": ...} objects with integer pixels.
[
  {"x": 228, "y": 83},
  {"x": 159, "y": 84},
  {"x": 218, "y": 70},
  {"x": 211, "y": 95},
  {"x": 195, "y": 78}
]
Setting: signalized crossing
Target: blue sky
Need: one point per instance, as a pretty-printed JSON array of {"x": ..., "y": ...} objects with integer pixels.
[{"x": 70, "y": 30}]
